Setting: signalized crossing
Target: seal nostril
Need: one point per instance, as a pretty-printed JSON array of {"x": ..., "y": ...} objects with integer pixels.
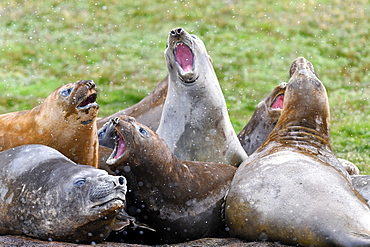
[
  {"x": 121, "y": 180},
  {"x": 179, "y": 30}
]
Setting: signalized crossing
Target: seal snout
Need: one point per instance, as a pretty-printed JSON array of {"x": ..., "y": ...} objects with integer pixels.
[{"x": 176, "y": 32}]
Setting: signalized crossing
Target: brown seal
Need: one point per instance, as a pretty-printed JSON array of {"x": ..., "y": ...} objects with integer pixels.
[
  {"x": 182, "y": 200},
  {"x": 293, "y": 189},
  {"x": 195, "y": 122},
  {"x": 66, "y": 121},
  {"x": 263, "y": 120},
  {"x": 148, "y": 111},
  {"x": 45, "y": 195}
]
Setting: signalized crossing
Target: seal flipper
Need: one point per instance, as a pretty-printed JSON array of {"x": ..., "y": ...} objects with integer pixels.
[{"x": 124, "y": 221}]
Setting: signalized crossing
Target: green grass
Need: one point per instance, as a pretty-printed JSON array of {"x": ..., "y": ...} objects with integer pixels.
[{"x": 120, "y": 45}]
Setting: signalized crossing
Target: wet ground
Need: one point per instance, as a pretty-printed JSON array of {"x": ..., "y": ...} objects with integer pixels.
[{"x": 233, "y": 242}]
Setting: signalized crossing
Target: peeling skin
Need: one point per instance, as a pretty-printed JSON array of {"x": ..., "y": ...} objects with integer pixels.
[
  {"x": 293, "y": 189},
  {"x": 58, "y": 122},
  {"x": 176, "y": 194},
  {"x": 195, "y": 105}
]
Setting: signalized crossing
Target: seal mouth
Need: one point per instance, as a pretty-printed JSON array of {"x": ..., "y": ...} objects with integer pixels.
[
  {"x": 278, "y": 102},
  {"x": 185, "y": 62},
  {"x": 88, "y": 102},
  {"x": 119, "y": 149},
  {"x": 113, "y": 203}
]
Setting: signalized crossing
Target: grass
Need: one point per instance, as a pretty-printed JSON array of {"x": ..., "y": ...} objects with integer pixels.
[{"x": 120, "y": 45}]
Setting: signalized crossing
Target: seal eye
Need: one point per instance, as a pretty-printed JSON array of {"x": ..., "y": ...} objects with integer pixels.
[
  {"x": 80, "y": 182},
  {"x": 101, "y": 133},
  {"x": 66, "y": 92},
  {"x": 193, "y": 36},
  {"x": 143, "y": 131}
]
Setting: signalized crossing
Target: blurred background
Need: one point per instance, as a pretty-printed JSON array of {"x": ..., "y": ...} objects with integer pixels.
[{"x": 120, "y": 44}]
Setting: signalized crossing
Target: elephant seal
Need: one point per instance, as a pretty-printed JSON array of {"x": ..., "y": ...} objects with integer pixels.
[
  {"x": 195, "y": 123},
  {"x": 45, "y": 195},
  {"x": 66, "y": 121},
  {"x": 263, "y": 120},
  {"x": 181, "y": 200},
  {"x": 293, "y": 189},
  {"x": 148, "y": 111}
]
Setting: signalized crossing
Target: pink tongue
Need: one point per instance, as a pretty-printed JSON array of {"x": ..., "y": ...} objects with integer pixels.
[
  {"x": 184, "y": 57},
  {"x": 278, "y": 103},
  {"x": 121, "y": 147}
]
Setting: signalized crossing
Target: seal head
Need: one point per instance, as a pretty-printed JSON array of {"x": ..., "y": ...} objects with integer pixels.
[{"x": 263, "y": 120}]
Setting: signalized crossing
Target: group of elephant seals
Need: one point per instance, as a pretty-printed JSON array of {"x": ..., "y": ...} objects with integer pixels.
[
  {"x": 263, "y": 120},
  {"x": 195, "y": 122},
  {"x": 148, "y": 111},
  {"x": 293, "y": 189},
  {"x": 45, "y": 195},
  {"x": 181, "y": 200},
  {"x": 66, "y": 121}
]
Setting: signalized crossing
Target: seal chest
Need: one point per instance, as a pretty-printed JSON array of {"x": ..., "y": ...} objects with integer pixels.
[
  {"x": 195, "y": 123},
  {"x": 293, "y": 189}
]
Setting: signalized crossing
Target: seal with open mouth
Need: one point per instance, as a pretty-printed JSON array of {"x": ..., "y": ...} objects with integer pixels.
[
  {"x": 195, "y": 122},
  {"x": 293, "y": 189},
  {"x": 183, "y": 199},
  {"x": 263, "y": 120},
  {"x": 45, "y": 195},
  {"x": 66, "y": 121}
]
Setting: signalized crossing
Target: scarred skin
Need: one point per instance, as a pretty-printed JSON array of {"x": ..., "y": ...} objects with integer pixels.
[
  {"x": 293, "y": 189},
  {"x": 60, "y": 122},
  {"x": 148, "y": 111},
  {"x": 195, "y": 122},
  {"x": 47, "y": 196},
  {"x": 182, "y": 200}
]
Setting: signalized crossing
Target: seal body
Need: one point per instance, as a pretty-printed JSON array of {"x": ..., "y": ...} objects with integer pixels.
[
  {"x": 181, "y": 200},
  {"x": 195, "y": 123},
  {"x": 293, "y": 189},
  {"x": 148, "y": 111},
  {"x": 263, "y": 120},
  {"x": 47, "y": 196},
  {"x": 66, "y": 121}
]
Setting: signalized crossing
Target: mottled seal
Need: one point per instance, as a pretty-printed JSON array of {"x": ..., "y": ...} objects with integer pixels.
[
  {"x": 293, "y": 189},
  {"x": 180, "y": 199},
  {"x": 263, "y": 120},
  {"x": 66, "y": 121},
  {"x": 45, "y": 195},
  {"x": 195, "y": 123},
  {"x": 148, "y": 111}
]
